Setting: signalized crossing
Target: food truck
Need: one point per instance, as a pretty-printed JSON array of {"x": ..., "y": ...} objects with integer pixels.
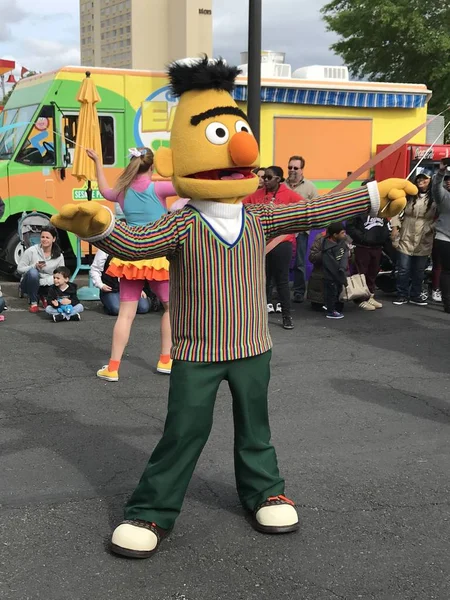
[
  {"x": 410, "y": 159},
  {"x": 336, "y": 124}
]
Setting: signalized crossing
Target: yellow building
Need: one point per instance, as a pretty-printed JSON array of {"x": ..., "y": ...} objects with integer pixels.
[
  {"x": 334, "y": 123},
  {"x": 143, "y": 34}
]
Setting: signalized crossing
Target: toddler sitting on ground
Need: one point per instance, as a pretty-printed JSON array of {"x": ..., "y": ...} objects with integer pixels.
[{"x": 63, "y": 303}]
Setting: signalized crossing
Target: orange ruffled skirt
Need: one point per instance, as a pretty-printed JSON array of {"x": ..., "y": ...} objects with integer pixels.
[{"x": 156, "y": 269}]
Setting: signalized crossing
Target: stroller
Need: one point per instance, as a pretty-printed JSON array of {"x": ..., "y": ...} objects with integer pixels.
[
  {"x": 386, "y": 280},
  {"x": 29, "y": 229}
]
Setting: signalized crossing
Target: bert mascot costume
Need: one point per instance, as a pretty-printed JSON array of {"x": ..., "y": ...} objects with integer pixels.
[{"x": 216, "y": 248}]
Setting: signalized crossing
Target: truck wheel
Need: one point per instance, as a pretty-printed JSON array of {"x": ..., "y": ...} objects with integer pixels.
[{"x": 13, "y": 248}]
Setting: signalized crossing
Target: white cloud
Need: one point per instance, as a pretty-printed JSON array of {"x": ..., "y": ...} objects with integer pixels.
[
  {"x": 45, "y": 55},
  {"x": 47, "y": 8},
  {"x": 10, "y": 13},
  {"x": 44, "y": 34},
  {"x": 291, "y": 26}
]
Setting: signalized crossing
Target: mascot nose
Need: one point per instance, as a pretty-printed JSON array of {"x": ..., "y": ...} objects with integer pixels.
[{"x": 243, "y": 149}]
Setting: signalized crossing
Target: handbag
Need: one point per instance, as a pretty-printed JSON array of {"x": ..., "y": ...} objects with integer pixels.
[{"x": 356, "y": 289}]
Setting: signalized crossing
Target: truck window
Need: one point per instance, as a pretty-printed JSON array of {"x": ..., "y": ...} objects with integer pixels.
[
  {"x": 39, "y": 146},
  {"x": 70, "y": 123},
  {"x": 19, "y": 119}
]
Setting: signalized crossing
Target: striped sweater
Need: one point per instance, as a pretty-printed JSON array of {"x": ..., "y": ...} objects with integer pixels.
[{"x": 217, "y": 289}]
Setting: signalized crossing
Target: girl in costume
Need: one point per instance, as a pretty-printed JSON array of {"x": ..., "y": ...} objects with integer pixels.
[{"x": 142, "y": 202}]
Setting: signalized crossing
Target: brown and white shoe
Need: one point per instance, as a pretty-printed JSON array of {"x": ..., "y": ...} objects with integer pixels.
[
  {"x": 137, "y": 539},
  {"x": 276, "y": 515},
  {"x": 374, "y": 302}
]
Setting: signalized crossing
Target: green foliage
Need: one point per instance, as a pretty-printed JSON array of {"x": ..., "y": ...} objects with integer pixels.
[{"x": 401, "y": 41}]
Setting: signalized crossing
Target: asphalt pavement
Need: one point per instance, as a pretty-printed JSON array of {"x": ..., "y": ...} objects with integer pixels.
[{"x": 360, "y": 414}]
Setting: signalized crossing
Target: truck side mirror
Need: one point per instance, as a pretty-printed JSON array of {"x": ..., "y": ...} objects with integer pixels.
[{"x": 67, "y": 159}]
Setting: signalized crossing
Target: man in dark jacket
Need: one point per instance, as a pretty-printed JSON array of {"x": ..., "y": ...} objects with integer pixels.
[
  {"x": 335, "y": 254},
  {"x": 369, "y": 235}
]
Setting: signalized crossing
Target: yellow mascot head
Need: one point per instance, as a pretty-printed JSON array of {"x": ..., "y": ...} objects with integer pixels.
[{"x": 212, "y": 149}]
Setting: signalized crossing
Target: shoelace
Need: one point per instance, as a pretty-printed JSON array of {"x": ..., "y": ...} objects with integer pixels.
[{"x": 282, "y": 498}]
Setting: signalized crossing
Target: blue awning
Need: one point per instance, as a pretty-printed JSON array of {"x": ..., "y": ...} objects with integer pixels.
[{"x": 334, "y": 98}]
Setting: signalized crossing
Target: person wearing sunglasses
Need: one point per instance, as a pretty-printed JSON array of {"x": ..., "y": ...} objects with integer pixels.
[
  {"x": 278, "y": 259},
  {"x": 296, "y": 181},
  {"x": 260, "y": 173}
]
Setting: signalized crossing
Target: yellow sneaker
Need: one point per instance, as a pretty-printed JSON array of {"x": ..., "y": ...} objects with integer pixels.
[
  {"x": 164, "y": 367},
  {"x": 103, "y": 373}
]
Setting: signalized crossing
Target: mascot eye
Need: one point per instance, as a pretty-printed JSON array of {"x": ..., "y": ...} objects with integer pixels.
[
  {"x": 242, "y": 126},
  {"x": 217, "y": 133}
]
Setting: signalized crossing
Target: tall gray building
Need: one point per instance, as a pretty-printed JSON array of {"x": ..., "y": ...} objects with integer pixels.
[{"x": 143, "y": 34}]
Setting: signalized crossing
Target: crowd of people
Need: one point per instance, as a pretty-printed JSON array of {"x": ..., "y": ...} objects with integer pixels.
[{"x": 421, "y": 234}]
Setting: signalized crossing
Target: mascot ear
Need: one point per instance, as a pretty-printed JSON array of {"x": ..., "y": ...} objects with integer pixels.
[{"x": 164, "y": 162}]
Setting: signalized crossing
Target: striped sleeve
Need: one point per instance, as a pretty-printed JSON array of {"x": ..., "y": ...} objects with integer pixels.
[
  {"x": 157, "y": 239},
  {"x": 311, "y": 214}
]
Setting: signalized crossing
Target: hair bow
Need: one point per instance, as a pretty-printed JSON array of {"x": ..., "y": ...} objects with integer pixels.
[{"x": 135, "y": 153}]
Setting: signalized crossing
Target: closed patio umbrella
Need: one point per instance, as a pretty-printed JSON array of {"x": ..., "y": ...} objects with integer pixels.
[
  {"x": 88, "y": 136},
  {"x": 88, "y": 132}
]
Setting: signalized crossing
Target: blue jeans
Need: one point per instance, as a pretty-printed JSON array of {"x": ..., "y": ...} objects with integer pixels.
[
  {"x": 2, "y": 304},
  {"x": 410, "y": 275},
  {"x": 300, "y": 263},
  {"x": 76, "y": 310},
  {"x": 111, "y": 303},
  {"x": 30, "y": 286}
]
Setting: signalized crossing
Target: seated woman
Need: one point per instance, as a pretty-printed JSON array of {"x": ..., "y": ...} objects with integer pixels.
[
  {"x": 110, "y": 287},
  {"x": 36, "y": 266}
]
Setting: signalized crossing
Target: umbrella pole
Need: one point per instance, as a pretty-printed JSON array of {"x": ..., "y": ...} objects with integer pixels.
[
  {"x": 89, "y": 292},
  {"x": 89, "y": 197}
]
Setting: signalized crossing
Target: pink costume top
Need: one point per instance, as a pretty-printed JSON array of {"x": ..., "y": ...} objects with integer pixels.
[
  {"x": 143, "y": 203},
  {"x": 162, "y": 189}
]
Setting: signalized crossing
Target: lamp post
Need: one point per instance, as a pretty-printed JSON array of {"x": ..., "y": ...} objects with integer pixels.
[{"x": 254, "y": 66}]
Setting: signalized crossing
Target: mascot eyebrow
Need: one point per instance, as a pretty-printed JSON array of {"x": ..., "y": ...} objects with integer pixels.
[{"x": 217, "y": 111}]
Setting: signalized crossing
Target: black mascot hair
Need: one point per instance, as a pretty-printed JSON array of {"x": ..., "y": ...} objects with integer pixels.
[{"x": 202, "y": 75}]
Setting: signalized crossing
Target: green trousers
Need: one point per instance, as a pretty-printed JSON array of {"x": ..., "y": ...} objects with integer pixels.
[{"x": 193, "y": 388}]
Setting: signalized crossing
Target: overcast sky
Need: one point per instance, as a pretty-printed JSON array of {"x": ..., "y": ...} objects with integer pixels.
[{"x": 44, "y": 34}]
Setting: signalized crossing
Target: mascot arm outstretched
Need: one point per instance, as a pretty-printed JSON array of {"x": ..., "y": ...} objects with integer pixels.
[
  {"x": 96, "y": 224},
  {"x": 384, "y": 199}
]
